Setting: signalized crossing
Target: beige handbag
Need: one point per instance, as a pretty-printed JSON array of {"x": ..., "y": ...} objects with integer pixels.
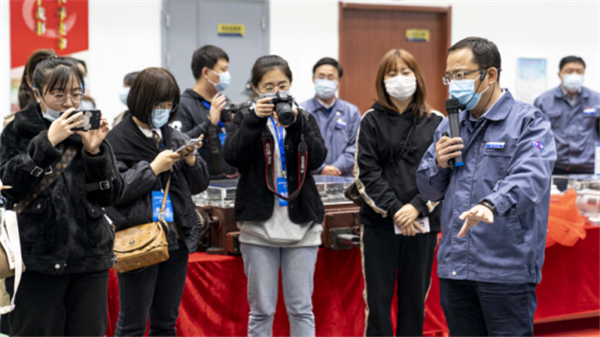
[{"x": 143, "y": 245}]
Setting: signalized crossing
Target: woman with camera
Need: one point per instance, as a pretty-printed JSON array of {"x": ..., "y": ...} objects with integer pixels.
[
  {"x": 61, "y": 179},
  {"x": 146, "y": 149},
  {"x": 275, "y": 148},
  {"x": 400, "y": 228}
]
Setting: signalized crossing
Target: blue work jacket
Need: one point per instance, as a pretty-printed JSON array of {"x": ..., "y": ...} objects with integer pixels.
[
  {"x": 508, "y": 158},
  {"x": 339, "y": 132},
  {"x": 575, "y": 127}
]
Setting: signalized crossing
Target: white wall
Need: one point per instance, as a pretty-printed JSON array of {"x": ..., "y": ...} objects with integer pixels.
[
  {"x": 304, "y": 31},
  {"x": 125, "y": 36}
]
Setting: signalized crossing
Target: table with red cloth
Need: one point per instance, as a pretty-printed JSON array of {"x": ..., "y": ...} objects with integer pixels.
[{"x": 215, "y": 301}]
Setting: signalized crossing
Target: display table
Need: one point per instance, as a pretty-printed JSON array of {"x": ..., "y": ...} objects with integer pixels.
[{"x": 215, "y": 302}]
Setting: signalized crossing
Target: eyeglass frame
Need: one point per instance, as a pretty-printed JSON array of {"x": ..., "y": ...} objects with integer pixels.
[
  {"x": 448, "y": 79},
  {"x": 55, "y": 101}
]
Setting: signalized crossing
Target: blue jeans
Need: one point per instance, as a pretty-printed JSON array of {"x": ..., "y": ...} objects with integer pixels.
[
  {"x": 261, "y": 265},
  {"x": 488, "y": 309},
  {"x": 155, "y": 291}
]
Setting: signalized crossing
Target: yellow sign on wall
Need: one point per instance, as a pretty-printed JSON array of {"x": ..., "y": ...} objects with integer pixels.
[
  {"x": 231, "y": 29},
  {"x": 417, "y": 35}
]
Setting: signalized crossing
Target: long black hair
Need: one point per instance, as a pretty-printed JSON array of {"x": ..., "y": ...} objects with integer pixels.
[{"x": 26, "y": 95}]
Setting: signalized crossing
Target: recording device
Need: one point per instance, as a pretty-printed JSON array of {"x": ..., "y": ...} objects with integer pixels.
[
  {"x": 91, "y": 119},
  {"x": 283, "y": 107},
  {"x": 231, "y": 109},
  {"x": 452, "y": 107},
  {"x": 191, "y": 142}
]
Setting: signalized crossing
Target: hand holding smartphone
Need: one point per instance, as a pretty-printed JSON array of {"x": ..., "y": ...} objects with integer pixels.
[
  {"x": 191, "y": 142},
  {"x": 91, "y": 119}
]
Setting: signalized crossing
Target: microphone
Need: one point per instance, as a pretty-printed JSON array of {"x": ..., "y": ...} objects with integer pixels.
[{"x": 452, "y": 107}]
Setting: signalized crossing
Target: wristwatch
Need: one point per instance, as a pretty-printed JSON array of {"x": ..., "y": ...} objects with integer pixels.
[{"x": 489, "y": 205}]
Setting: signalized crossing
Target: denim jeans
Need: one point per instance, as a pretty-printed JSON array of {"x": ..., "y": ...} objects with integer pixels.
[
  {"x": 261, "y": 265},
  {"x": 156, "y": 292}
]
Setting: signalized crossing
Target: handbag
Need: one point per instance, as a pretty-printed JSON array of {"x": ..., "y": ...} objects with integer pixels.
[
  {"x": 144, "y": 245},
  {"x": 11, "y": 261}
]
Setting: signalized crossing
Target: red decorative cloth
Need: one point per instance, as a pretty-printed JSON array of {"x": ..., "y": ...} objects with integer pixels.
[{"x": 215, "y": 301}]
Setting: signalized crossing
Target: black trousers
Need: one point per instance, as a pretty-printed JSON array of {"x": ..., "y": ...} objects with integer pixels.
[
  {"x": 80, "y": 298},
  {"x": 156, "y": 292},
  {"x": 488, "y": 309},
  {"x": 389, "y": 258}
]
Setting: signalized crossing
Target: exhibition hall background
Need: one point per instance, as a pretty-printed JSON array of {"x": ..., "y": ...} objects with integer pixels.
[{"x": 125, "y": 36}]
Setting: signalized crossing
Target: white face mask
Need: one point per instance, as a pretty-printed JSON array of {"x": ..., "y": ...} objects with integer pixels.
[{"x": 401, "y": 87}]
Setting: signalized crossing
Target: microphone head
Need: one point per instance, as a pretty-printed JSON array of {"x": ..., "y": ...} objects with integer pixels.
[{"x": 452, "y": 103}]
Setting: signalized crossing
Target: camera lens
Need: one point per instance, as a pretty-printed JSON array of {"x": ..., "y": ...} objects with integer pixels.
[{"x": 285, "y": 115}]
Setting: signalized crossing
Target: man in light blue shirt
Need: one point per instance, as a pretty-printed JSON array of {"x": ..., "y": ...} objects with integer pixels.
[
  {"x": 495, "y": 210},
  {"x": 574, "y": 113},
  {"x": 337, "y": 119}
]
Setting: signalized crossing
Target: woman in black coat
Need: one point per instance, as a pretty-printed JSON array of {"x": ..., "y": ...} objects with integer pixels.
[
  {"x": 66, "y": 240},
  {"x": 143, "y": 143}
]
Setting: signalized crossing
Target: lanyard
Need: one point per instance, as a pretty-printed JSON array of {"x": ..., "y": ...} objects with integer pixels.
[
  {"x": 221, "y": 125},
  {"x": 279, "y": 136}
]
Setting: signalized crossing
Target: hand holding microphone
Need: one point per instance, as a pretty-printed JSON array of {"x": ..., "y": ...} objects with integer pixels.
[{"x": 448, "y": 150}]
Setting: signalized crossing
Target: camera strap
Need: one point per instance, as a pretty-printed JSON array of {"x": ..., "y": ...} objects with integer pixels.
[{"x": 268, "y": 147}]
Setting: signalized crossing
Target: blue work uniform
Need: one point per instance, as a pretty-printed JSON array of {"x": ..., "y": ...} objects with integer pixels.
[
  {"x": 575, "y": 126},
  {"x": 508, "y": 158},
  {"x": 339, "y": 132}
]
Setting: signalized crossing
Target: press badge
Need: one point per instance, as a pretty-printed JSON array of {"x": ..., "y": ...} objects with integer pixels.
[
  {"x": 282, "y": 188},
  {"x": 157, "y": 200},
  {"x": 589, "y": 111},
  {"x": 340, "y": 123},
  {"x": 423, "y": 222},
  {"x": 222, "y": 136},
  {"x": 494, "y": 145}
]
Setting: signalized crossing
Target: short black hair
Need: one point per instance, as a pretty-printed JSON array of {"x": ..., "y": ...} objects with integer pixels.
[
  {"x": 128, "y": 79},
  {"x": 206, "y": 56},
  {"x": 151, "y": 87},
  {"x": 485, "y": 52},
  {"x": 329, "y": 61},
  {"x": 266, "y": 63},
  {"x": 570, "y": 59}
]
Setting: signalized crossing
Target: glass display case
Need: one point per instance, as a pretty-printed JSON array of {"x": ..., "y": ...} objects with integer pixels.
[
  {"x": 587, "y": 188},
  {"x": 221, "y": 193}
]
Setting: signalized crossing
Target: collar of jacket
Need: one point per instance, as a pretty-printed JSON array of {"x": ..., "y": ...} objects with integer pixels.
[
  {"x": 584, "y": 92},
  {"x": 408, "y": 113},
  {"x": 29, "y": 123},
  {"x": 499, "y": 110},
  {"x": 190, "y": 93}
]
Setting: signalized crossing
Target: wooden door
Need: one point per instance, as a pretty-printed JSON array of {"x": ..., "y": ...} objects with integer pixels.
[{"x": 367, "y": 32}]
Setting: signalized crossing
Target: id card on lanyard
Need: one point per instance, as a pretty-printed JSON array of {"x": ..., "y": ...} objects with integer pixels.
[
  {"x": 157, "y": 201},
  {"x": 282, "y": 186},
  {"x": 223, "y": 133}
]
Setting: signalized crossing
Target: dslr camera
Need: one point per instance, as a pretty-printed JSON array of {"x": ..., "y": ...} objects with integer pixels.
[
  {"x": 231, "y": 109},
  {"x": 283, "y": 107}
]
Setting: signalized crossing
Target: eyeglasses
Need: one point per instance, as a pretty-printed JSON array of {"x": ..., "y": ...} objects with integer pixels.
[
  {"x": 169, "y": 106},
  {"x": 61, "y": 98},
  {"x": 272, "y": 88},
  {"x": 458, "y": 76}
]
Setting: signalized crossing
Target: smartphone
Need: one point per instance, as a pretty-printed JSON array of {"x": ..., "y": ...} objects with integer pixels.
[
  {"x": 191, "y": 142},
  {"x": 91, "y": 119}
]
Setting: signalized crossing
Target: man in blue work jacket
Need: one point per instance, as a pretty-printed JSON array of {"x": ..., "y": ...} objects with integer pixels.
[
  {"x": 337, "y": 119},
  {"x": 574, "y": 112},
  {"x": 488, "y": 273}
]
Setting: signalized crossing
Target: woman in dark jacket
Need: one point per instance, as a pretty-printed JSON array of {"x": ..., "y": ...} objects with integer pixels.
[
  {"x": 400, "y": 228},
  {"x": 275, "y": 233},
  {"x": 143, "y": 143},
  {"x": 61, "y": 179}
]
